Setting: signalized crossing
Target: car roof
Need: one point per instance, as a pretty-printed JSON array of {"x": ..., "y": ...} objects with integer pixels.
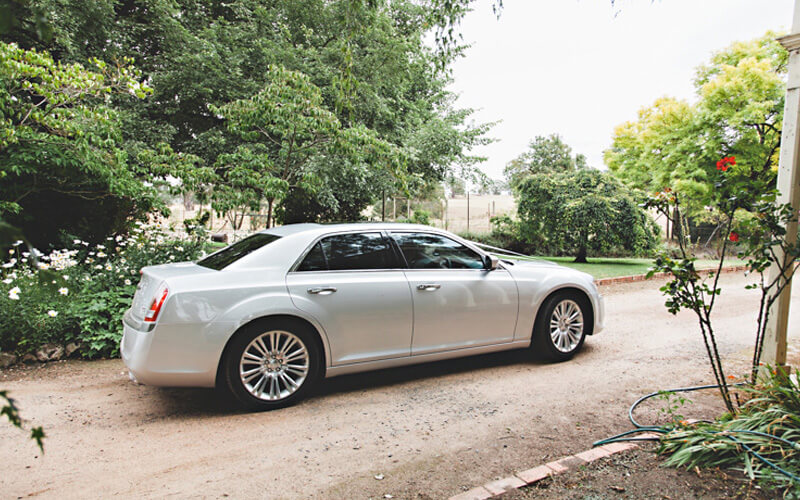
[{"x": 319, "y": 229}]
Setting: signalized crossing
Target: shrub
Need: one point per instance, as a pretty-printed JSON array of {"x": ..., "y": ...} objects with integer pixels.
[{"x": 79, "y": 294}]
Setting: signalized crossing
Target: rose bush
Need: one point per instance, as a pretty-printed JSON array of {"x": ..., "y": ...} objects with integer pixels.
[{"x": 77, "y": 295}]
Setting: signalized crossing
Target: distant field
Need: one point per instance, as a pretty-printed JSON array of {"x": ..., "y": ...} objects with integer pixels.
[{"x": 481, "y": 208}]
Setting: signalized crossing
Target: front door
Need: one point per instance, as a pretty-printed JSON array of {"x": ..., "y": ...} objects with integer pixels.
[
  {"x": 350, "y": 283},
  {"x": 457, "y": 303}
]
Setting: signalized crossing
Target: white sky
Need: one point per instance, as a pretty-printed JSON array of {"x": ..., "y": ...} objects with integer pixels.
[{"x": 573, "y": 67}]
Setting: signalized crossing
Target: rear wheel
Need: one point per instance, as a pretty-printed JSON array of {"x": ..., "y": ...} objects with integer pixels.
[
  {"x": 272, "y": 363},
  {"x": 562, "y": 325}
]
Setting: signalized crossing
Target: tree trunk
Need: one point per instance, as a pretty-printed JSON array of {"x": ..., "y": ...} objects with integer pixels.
[
  {"x": 677, "y": 224},
  {"x": 581, "y": 257},
  {"x": 269, "y": 211}
]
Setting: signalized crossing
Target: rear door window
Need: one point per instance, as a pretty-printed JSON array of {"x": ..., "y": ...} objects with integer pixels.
[{"x": 349, "y": 252}]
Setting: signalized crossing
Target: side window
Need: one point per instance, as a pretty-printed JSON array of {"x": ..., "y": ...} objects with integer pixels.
[
  {"x": 432, "y": 251},
  {"x": 354, "y": 251},
  {"x": 315, "y": 260}
]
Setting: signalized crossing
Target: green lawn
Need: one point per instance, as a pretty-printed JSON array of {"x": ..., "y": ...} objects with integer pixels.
[{"x": 608, "y": 267}]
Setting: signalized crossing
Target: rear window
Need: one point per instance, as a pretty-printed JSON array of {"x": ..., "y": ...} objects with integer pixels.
[{"x": 232, "y": 253}]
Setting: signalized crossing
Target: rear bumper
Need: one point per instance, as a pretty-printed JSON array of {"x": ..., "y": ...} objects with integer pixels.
[{"x": 166, "y": 355}]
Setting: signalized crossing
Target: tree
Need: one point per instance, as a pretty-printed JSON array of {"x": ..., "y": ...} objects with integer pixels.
[
  {"x": 62, "y": 168},
  {"x": 738, "y": 113},
  {"x": 545, "y": 155},
  {"x": 285, "y": 126},
  {"x": 582, "y": 211},
  {"x": 370, "y": 60}
]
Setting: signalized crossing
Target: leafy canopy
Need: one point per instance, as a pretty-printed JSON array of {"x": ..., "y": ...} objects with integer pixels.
[
  {"x": 582, "y": 211},
  {"x": 738, "y": 113},
  {"x": 60, "y": 142},
  {"x": 545, "y": 155}
]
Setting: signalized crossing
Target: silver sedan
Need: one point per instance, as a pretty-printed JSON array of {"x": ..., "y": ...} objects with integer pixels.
[{"x": 267, "y": 317}]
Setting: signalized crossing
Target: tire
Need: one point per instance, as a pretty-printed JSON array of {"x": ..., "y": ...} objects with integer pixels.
[
  {"x": 272, "y": 364},
  {"x": 561, "y": 326}
]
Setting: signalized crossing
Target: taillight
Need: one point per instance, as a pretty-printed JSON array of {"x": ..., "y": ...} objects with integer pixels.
[{"x": 155, "y": 306}]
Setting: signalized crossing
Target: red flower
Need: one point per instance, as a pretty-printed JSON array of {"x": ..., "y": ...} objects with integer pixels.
[
  {"x": 733, "y": 237},
  {"x": 725, "y": 163}
]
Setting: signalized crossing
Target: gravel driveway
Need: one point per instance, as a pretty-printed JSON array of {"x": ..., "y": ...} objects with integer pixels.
[{"x": 420, "y": 432}]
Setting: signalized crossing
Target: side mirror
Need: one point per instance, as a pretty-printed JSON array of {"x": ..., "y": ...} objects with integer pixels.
[{"x": 490, "y": 262}]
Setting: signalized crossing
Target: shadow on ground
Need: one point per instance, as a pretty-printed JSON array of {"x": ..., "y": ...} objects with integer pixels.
[{"x": 211, "y": 402}]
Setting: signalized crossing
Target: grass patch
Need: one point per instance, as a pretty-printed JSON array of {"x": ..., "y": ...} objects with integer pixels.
[{"x": 610, "y": 267}]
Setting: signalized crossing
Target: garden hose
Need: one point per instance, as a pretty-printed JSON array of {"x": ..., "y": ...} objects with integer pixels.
[{"x": 625, "y": 436}]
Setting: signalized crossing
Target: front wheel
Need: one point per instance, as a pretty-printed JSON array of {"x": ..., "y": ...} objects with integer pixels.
[
  {"x": 271, "y": 364},
  {"x": 561, "y": 326}
]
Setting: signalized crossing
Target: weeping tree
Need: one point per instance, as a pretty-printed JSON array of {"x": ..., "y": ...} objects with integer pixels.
[{"x": 580, "y": 212}]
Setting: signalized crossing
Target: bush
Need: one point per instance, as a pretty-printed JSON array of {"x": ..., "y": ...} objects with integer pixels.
[{"x": 79, "y": 294}]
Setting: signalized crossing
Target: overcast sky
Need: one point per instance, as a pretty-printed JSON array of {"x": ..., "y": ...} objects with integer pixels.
[{"x": 581, "y": 67}]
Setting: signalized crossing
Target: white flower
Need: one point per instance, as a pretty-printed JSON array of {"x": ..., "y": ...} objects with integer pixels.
[
  {"x": 66, "y": 277},
  {"x": 98, "y": 266},
  {"x": 7, "y": 281},
  {"x": 180, "y": 249},
  {"x": 44, "y": 265},
  {"x": 52, "y": 313},
  {"x": 101, "y": 247},
  {"x": 11, "y": 252},
  {"x": 85, "y": 243},
  {"x": 77, "y": 242},
  {"x": 63, "y": 290},
  {"x": 108, "y": 267},
  {"x": 127, "y": 282},
  {"x": 10, "y": 263},
  {"x": 13, "y": 294},
  {"x": 26, "y": 254},
  {"x": 100, "y": 255}
]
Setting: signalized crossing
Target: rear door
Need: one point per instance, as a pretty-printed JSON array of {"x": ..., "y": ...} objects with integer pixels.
[{"x": 352, "y": 284}]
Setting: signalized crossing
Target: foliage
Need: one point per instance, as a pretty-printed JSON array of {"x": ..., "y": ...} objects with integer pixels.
[
  {"x": 371, "y": 62},
  {"x": 10, "y": 411},
  {"x": 545, "y": 155},
  {"x": 60, "y": 159},
  {"x": 772, "y": 410},
  {"x": 739, "y": 111},
  {"x": 762, "y": 242},
  {"x": 285, "y": 126},
  {"x": 79, "y": 294},
  {"x": 582, "y": 211}
]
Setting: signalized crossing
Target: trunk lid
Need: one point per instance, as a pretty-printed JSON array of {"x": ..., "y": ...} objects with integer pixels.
[{"x": 154, "y": 276}]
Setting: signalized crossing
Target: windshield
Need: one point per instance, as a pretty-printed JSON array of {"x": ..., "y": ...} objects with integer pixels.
[{"x": 230, "y": 254}]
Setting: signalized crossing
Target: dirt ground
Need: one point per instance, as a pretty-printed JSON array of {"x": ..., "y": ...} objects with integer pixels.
[
  {"x": 639, "y": 475},
  {"x": 427, "y": 431}
]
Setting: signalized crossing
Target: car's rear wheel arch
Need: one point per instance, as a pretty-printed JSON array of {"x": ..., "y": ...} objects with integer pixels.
[
  {"x": 266, "y": 320},
  {"x": 577, "y": 292}
]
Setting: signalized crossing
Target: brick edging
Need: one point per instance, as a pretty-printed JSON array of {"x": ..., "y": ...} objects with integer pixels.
[
  {"x": 643, "y": 277},
  {"x": 536, "y": 474}
]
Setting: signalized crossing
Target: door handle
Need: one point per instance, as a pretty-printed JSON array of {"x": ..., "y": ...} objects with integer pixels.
[
  {"x": 322, "y": 290},
  {"x": 429, "y": 287}
]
